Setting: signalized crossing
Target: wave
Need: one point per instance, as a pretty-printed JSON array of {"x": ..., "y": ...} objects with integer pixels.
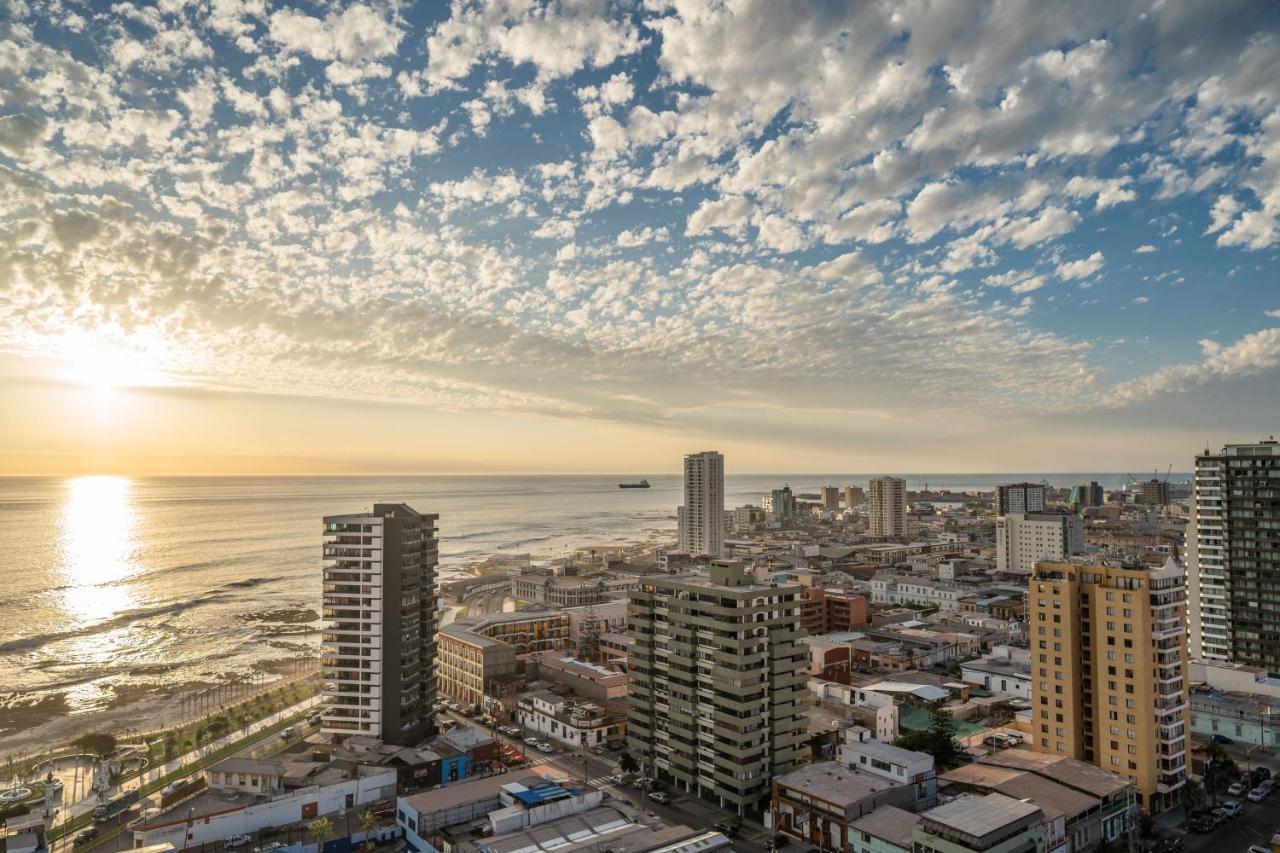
[{"x": 124, "y": 619}]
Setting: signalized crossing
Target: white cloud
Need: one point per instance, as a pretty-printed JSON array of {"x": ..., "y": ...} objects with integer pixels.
[
  {"x": 1140, "y": 300},
  {"x": 630, "y": 239},
  {"x": 356, "y": 34},
  {"x": 1144, "y": 249},
  {"x": 1081, "y": 268},
  {"x": 1250, "y": 355}
]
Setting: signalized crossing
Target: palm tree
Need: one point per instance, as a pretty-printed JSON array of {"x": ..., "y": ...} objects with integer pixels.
[
  {"x": 368, "y": 823},
  {"x": 321, "y": 830}
]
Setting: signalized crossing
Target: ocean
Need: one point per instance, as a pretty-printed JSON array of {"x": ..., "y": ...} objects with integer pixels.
[{"x": 119, "y": 589}]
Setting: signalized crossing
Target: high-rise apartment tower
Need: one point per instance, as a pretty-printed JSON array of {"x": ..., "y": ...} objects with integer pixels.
[
  {"x": 1109, "y": 671},
  {"x": 378, "y": 644},
  {"x": 1019, "y": 497},
  {"x": 1233, "y": 556},
  {"x": 701, "y": 519},
  {"x": 886, "y": 506},
  {"x": 718, "y": 678}
]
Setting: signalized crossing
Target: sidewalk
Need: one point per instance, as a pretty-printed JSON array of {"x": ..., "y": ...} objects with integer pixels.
[{"x": 86, "y": 804}]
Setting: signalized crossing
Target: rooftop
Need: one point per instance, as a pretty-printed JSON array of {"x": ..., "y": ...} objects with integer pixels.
[
  {"x": 1067, "y": 771},
  {"x": 888, "y": 752},
  {"x": 889, "y": 823},
  {"x": 484, "y": 788},
  {"x": 834, "y": 783},
  {"x": 978, "y": 817},
  {"x": 247, "y": 765}
]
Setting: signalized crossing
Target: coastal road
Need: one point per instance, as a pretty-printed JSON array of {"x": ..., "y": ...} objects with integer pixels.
[{"x": 112, "y": 836}]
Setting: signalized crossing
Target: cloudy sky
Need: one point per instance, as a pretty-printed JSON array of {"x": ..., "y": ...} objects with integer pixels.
[{"x": 242, "y": 236}]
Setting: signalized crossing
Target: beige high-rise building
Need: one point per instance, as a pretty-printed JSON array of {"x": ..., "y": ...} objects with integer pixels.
[
  {"x": 718, "y": 680},
  {"x": 854, "y": 496},
  {"x": 830, "y": 498},
  {"x": 1109, "y": 671},
  {"x": 886, "y": 506}
]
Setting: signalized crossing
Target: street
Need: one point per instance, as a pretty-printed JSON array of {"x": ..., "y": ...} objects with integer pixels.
[{"x": 684, "y": 809}]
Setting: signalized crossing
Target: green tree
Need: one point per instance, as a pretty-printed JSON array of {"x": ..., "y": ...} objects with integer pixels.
[
  {"x": 939, "y": 740},
  {"x": 100, "y": 744},
  {"x": 321, "y": 830},
  {"x": 627, "y": 763},
  {"x": 368, "y": 823}
]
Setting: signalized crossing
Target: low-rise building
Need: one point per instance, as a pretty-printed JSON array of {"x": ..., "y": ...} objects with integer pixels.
[
  {"x": 582, "y": 678},
  {"x": 999, "y": 674},
  {"x": 569, "y": 591},
  {"x": 895, "y": 764},
  {"x": 890, "y": 588},
  {"x": 825, "y": 610},
  {"x": 1250, "y": 718},
  {"x": 468, "y": 661},
  {"x": 818, "y": 802},
  {"x": 572, "y": 722},
  {"x": 990, "y": 824},
  {"x": 245, "y": 775},
  {"x": 886, "y": 830}
]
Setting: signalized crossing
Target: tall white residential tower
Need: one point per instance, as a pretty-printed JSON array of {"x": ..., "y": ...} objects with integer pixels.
[
  {"x": 701, "y": 519},
  {"x": 379, "y": 606}
]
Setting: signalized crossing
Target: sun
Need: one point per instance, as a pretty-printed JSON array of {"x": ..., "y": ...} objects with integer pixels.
[{"x": 104, "y": 363}]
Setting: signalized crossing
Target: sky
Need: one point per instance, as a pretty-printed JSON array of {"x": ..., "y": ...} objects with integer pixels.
[{"x": 239, "y": 236}]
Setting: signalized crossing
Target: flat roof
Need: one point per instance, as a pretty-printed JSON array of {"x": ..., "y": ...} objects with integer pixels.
[
  {"x": 246, "y": 765},
  {"x": 484, "y": 788},
  {"x": 889, "y": 823},
  {"x": 834, "y": 782},
  {"x": 978, "y": 817},
  {"x": 888, "y": 752}
]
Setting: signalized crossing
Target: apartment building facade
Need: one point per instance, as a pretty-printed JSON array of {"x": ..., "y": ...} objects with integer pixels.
[
  {"x": 701, "y": 519},
  {"x": 1019, "y": 497},
  {"x": 886, "y": 506},
  {"x": 1233, "y": 556},
  {"x": 379, "y": 602},
  {"x": 1024, "y": 538},
  {"x": 1109, "y": 671},
  {"x": 718, "y": 683},
  {"x": 825, "y": 610},
  {"x": 468, "y": 662}
]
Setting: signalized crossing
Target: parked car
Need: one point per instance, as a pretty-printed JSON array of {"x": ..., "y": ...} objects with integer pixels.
[
  {"x": 1230, "y": 808},
  {"x": 1261, "y": 773},
  {"x": 531, "y": 740},
  {"x": 546, "y": 747},
  {"x": 617, "y": 779},
  {"x": 780, "y": 840},
  {"x": 237, "y": 841},
  {"x": 727, "y": 827},
  {"x": 1258, "y": 794},
  {"x": 660, "y": 797},
  {"x": 455, "y": 706},
  {"x": 1258, "y": 848},
  {"x": 270, "y": 848},
  {"x": 86, "y": 836},
  {"x": 646, "y": 782},
  {"x": 1238, "y": 789},
  {"x": 1169, "y": 845},
  {"x": 1222, "y": 739},
  {"x": 996, "y": 741}
]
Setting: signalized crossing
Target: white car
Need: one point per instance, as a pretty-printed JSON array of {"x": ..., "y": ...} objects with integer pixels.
[
  {"x": 237, "y": 841},
  {"x": 546, "y": 747},
  {"x": 1258, "y": 794},
  {"x": 660, "y": 797},
  {"x": 1231, "y": 808}
]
